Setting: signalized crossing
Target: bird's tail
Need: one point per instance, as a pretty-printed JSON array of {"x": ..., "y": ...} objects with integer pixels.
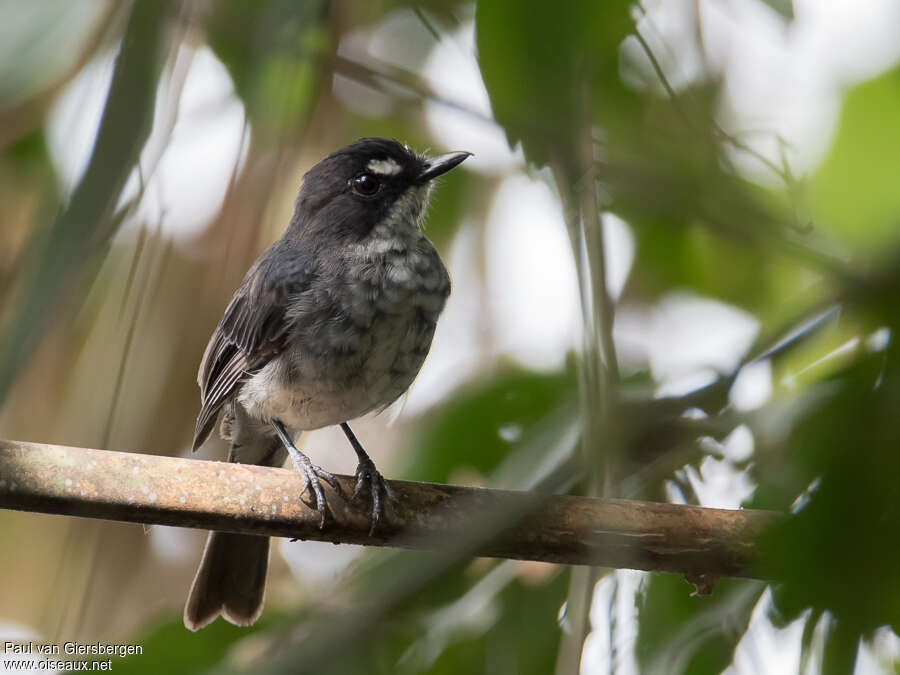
[{"x": 230, "y": 581}]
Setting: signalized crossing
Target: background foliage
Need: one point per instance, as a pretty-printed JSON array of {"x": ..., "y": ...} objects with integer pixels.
[{"x": 107, "y": 305}]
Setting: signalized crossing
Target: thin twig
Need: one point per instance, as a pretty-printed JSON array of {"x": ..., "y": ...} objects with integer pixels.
[{"x": 781, "y": 172}]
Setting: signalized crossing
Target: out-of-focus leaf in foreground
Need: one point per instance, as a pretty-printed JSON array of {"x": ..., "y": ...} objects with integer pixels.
[
  {"x": 477, "y": 428},
  {"x": 681, "y": 633},
  {"x": 170, "y": 648},
  {"x": 840, "y": 552},
  {"x": 537, "y": 63},
  {"x": 854, "y": 193},
  {"x": 271, "y": 50},
  {"x": 521, "y": 639}
]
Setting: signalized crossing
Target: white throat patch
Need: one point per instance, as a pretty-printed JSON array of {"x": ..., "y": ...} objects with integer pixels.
[{"x": 384, "y": 167}]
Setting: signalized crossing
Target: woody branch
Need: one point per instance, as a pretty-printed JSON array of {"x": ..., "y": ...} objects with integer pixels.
[{"x": 696, "y": 541}]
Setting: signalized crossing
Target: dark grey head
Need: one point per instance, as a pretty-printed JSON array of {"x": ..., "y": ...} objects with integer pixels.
[{"x": 371, "y": 181}]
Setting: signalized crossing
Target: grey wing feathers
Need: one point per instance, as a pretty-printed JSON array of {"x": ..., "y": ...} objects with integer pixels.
[
  {"x": 234, "y": 368},
  {"x": 251, "y": 333}
]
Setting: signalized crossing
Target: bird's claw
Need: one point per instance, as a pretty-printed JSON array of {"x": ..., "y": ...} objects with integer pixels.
[
  {"x": 312, "y": 482},
  {"x": 368, "y": 478}
]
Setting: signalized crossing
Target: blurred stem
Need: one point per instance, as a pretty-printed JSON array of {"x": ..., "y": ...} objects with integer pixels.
[
  {"x": 783, "y": 172},
  {"x": 63, "y": 260},
  {"x": 598, "y": 374},
  {"x": 577, "y": 622},
  {"x": 793, "y": 240}
]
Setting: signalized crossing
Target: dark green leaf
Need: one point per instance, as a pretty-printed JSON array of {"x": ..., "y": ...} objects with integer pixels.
[
  {"x": 272, "y": 51},
  {"x": 535, "y": 61},
  {"x": 678, "y": 633},
  {"x": 466, "y": 431},
  {"x": 837, "y": 553},
  {"x": 173, "y": 649}
]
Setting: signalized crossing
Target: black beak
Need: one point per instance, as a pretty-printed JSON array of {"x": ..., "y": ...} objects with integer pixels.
[{"x": 436, "y": 166}]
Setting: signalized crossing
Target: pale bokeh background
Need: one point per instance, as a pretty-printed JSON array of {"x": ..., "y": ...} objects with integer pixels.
[{"x": 210, "y": 196}]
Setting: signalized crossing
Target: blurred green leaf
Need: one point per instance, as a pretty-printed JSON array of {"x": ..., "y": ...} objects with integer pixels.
[
  {"x": 678, "y": 633},
  {"x": 272, "y": 50},
  {"x": 785, "y": 8},
  {"x": 854, "y": 192},
  {"x": 688, "y": 255},
  {"x": 172, "y": 649},
  {"x": 468, "y": 430},
  {"x": 491, "y": 617},
  {"x": 25, "y": 166},
  {"x": 697, "y": 223},
  {"x": 29, "y": 151},
  {"x": 521, "y": 639},
  {"x": 535, "y": 61},
  {"x": 839, "y": 552}
]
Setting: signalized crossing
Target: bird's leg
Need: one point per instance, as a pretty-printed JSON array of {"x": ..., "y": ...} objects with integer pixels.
[
  {"x": 312, "y": 475},
  {"x": 368, "y": 477}
]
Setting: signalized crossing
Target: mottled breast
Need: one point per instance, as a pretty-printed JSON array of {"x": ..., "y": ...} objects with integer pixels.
[
  {"x": 359, "y": 336},
  {"x": 397, "y": 294}
]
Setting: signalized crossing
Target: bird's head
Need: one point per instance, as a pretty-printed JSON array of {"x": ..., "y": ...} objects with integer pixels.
[{"x": 371, "y": 182}]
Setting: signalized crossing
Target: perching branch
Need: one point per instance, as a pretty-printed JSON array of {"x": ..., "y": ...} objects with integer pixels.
[{"x": 698, "y": 542}]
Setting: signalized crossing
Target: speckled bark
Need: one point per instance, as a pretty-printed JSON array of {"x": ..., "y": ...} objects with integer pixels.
[{"x": 698, "y": 542}]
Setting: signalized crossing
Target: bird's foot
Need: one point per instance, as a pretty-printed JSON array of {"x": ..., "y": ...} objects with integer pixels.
[
  {"x": 369, "y": 479},
  {"x": 312, "y": 475},
  {"x": 312, "y": 482}
]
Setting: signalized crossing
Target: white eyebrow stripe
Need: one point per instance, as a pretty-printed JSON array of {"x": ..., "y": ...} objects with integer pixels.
[{"x": 384, "y": 167}]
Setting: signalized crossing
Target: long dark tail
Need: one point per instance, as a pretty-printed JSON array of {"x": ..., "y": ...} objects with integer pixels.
[{"x": 231, "y": 580}]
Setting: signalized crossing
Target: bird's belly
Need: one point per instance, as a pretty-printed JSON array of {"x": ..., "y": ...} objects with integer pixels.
[{"x": 311, "y": 388}]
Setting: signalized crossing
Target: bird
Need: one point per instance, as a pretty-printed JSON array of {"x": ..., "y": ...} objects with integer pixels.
[{"x": 331, "y": 322}]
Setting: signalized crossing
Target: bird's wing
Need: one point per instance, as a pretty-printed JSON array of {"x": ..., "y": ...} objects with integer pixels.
[{"x": 252, "y": 332}]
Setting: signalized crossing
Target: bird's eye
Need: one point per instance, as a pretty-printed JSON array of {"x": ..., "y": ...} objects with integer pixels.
[{"x": 365, "y": 184}]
